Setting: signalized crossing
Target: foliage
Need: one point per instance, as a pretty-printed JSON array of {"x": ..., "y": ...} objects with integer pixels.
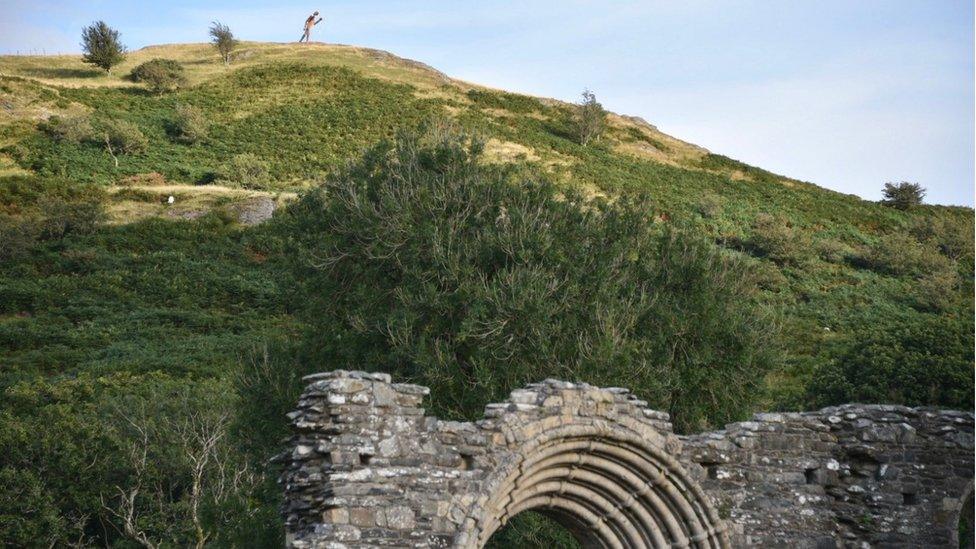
[
  {"x": 190, "y": 124},
  {"x": 223, "y": 40},
  {"x": 101, "y": 45},
  {"x": 773, "y": 237},
  {"x": 475, "y": 281},
  {"x": 74, "y": 129},
  {"x": 722, "y": 163},
  {"x": 160, "y": 75},
  {"x": 511, "y": 102},
  {"x": 84, "y": 321},
  {"x": 902, "y": 254},
  {"x": 248, "y": 171},
  {"x": 45, "y": 210},
  {"x": 903, "y": 195},
  {"x": 62, "y": 218},
  {"x": 17, "y": 236},
  {"x": 532, "y": 530},
  {"x": 590, "y": 118},
  {"x": 953, "y": 238},
  {"x": 710, "y": 206},
  {"x": 122, "y": 137},
  {"x": 310, "y": 132},
  {"x": 912, "y": 360},
  {"x": 89, "y": 317}
]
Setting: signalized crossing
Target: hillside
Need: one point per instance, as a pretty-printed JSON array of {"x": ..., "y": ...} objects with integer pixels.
[{"x": 109, "y": 291}]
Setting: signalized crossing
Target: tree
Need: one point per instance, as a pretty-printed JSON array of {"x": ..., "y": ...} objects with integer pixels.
[
  {"x": 122, "y": 137},
  {"x": 474, "y": 280},
  {"x": 903, "y": 195},
  {"x": 590, "y": 118},
  {"x": 160, "y": 75},
  {"x": 101, "y": 45},
  {"x": 185, "y": 479},
  {"x": 222, "y": 39}
]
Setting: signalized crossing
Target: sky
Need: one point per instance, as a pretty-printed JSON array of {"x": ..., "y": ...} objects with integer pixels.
[{"x": 845, "y": 94}]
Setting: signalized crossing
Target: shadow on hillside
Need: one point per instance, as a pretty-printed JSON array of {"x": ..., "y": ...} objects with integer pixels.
[{"x": 44, "y": 72}]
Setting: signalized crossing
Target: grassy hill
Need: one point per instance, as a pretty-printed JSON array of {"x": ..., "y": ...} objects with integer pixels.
[{"x": 107, "y": 290}]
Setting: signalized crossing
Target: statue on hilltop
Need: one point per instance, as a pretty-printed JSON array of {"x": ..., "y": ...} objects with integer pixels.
[{"x": 309, "y": 23}]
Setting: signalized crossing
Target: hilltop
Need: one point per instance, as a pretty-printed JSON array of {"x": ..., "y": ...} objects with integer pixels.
[{"x": 108, "y": 292}]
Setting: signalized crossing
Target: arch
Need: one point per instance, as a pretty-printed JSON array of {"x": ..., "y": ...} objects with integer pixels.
[
  {"x": 964, "y": 533},
  {"x": 612, "y": 483},
  {"x": 367, "y": 467}
]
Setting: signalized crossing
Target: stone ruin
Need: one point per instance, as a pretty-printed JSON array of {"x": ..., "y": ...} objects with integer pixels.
[{"x": 367, "y": 468}]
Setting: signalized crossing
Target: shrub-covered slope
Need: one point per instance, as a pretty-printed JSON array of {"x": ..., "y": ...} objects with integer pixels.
[{"x": 114, "y": 301}]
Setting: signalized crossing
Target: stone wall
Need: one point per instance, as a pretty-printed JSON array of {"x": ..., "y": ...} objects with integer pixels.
[
  {"x": 367, "y": 468},
  {"x": 878, "y": 476}
]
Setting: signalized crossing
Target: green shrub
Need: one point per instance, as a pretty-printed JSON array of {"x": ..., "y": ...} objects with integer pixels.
[
  {"x": 247, "y": 170},
  {"x": 160, "y": 75},
  {"x": 903, "y": 195},
  {"x": 122, "y": 137},
  {"x": 773, "y": 237},
  {"x": 501, "y": 100},
  {"x": 901, "y": 254},
  {"x": 475, "y": 280},
  {"x": 190, "y": 124},
  {"x": 94, "y": 442},
  {"x": 17, "y": 236},
  {"x": 710, "y": 206},
  {"x": 833, "y": 251},
  {"x": 953, "y": 236},
  {"x": 62, "y": 217},
  {"x": 75, "y": 129},
  {"x": 936, "y": 291},
  {"x": 914, "y": 360}
]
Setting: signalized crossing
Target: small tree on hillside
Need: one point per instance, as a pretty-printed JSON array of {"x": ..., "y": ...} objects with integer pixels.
[
  {"x": 590, "y": 118},
  {"x": 903, "y": 195},
  {"x": 101, "y": 45},
  {"x": 222, "y": 39}
]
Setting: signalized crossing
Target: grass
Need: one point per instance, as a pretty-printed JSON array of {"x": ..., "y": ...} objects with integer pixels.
[
  {"x": 306, "y": 109},
  {"x": 183, "y": 290}
]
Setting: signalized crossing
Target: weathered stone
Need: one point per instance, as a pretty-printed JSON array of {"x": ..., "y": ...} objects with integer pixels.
[{"x": 368, "y": 469}]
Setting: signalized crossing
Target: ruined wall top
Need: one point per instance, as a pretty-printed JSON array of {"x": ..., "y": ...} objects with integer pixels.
[{"x": 367, "y": 468}]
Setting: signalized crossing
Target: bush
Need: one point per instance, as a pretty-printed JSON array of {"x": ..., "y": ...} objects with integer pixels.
[
  {"x": 190, "y": 124},
  {"x": 150, "y": 448},
  {"x": 122, "y": 137},
  {"x": 475, "y": 280},
  {"x": 62, "y": 217},
  {"x": 936, "y": 291},
  {"x": 247, "y": 170},
  {"x": 773, "y": 237},
  {"x": 710, "y": 206},
  {"x": 833, "y": 251},
  {"x": 160, "y": 75},
  {"x": 915, "y": 360},
  {"x": 151, "y": 179},
  {"x": 75, "y": 129},
  {"x": 953, "y": 237},
  {"x": 17, "y": 236},
  {"x": 903, "y": 195},
  {"x": 900, "y": 254},
  {"x": 101, "y": 46}
]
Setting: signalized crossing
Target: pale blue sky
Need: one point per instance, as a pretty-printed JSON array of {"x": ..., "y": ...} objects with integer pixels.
[{"x": 846, "y": 94}]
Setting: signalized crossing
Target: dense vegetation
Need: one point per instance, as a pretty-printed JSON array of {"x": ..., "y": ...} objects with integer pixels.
[{"x": 126, "y": 347}]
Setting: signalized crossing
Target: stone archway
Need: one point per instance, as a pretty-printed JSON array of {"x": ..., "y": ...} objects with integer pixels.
[
  {"x": 368, "y": 468},
  {"x": 610, "y": 485}
]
